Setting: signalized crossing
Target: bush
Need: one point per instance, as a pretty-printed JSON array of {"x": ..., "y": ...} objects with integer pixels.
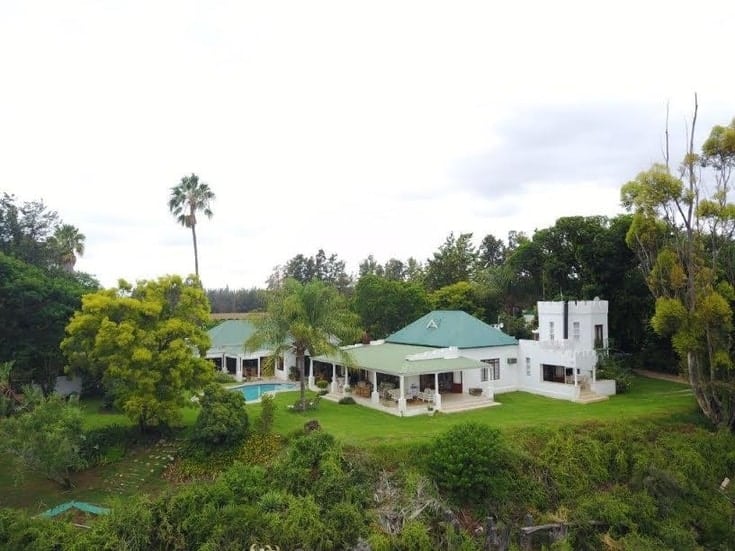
[
  {"x": 224, "y": 378},
  {"x": 293, "y": 374},
  {"x": 307, "y": 405},
  {"x": 468, "y": 463},
  {"x": 260, "y": 449},
  {"x": 222, "y": 421},
  {"x": 347, "y": 400},
  {"x": 107, "y": 444},
  {"x": 617, "y": 369},
  {"x": 322, "y": 383},
  {"x": 264, "y": 423}
]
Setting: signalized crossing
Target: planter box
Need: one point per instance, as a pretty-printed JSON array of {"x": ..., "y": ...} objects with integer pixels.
[{"x": 475, "y": 392}]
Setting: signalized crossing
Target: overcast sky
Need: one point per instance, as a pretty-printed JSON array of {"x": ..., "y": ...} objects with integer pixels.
[{"x": 357, "y": 127}]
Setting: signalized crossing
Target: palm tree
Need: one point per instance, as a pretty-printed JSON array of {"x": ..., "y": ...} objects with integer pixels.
[
  {"x": 303, "y": 318},
  {"x": 69, "y": 243},
  {"x": 188, "y": 198}
]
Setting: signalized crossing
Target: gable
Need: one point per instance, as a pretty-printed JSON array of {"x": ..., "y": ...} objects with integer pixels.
[{"x": 445, "y": 328}]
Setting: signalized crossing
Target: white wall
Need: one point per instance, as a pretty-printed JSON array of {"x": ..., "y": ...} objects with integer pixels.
[
  {"x": 508, "y": 372},
  {"x": 606, "y": 387},
  {"x": 587, "y": 313}
]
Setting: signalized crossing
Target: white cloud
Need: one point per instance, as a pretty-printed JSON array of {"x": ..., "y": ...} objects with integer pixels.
[{"x": 357, "y": 128}]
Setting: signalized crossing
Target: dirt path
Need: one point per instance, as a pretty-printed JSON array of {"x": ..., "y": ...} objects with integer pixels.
[{"x": 662, "y": 376}]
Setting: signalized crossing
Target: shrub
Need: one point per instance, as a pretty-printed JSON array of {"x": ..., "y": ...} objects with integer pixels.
[
  {"x": 323, "y": 392},
  {"x": 468, "y": 463},
  {"x": 617, "y": 369},
  {"x": 107, "y": 444},
  {"x": 293, "y": 373},
  {"x": 347, "y": 400},
  {"x": 264, "y": 423},
  {"x": 224, "y": 378},
  {"x": 307, "y": 405},
  {"x": 260, "y": 448},
  {"x": 222, "y": 421},
  {"x": 322, "y": 383}
]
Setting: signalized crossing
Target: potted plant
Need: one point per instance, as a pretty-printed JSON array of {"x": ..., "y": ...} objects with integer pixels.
[
  {"x": 347, "y": 389},
  {"x": 430, "y": 407}
]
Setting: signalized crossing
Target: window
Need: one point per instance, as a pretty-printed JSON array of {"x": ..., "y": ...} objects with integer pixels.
[
  {"x": 528, "y": 367},
  {"x": 575, "y": 331},
  {"x": 551, "y": 330},
  {"x": 483, "y": 374},
  {"x": 493, "y": 370},
  {"x": 598, "y": 337}
]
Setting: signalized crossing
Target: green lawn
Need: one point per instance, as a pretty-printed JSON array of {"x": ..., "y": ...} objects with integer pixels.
[
  {"x": 363, "y": 426},
  {"x": 139, "y": 471}
]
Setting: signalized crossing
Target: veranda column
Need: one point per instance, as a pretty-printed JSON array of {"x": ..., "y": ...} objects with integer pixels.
[
  {"x": 311, "y": 373},
  {"x": 402, "y": 395},
  {"x": 224, "y": 363},
  {"x": 347, "y": 378},
  {"x": 576, "y": 385},
  {"x": 238, "y": 368},
  {"x": 258, "y": 366},
  {"x": 437, "y": 396},
  {"x": 375, "y": 395},
  {"x": 333, "y": 386}
]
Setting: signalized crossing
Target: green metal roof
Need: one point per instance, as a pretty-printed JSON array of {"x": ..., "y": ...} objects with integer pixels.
[
  {"x": 231, "y": 332},
  {"x": 230, "y": 336},
  {"x": 442, "y": 328},
  {"x": 403, "y": 359}
]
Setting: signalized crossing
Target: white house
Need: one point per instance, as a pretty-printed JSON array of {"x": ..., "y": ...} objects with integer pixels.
[
  {"x": 461, "y": 362},
  {"x": 449, "y": 360}
]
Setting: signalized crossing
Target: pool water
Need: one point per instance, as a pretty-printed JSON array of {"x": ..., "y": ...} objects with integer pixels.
[{"x": 254, "y": 392}]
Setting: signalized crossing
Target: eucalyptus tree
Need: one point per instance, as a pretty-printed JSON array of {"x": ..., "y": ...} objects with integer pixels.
[
  {"x": 304, "y": 318},
  {"x": 188, "y": 198},
  {"x": 678, "y": 232}
]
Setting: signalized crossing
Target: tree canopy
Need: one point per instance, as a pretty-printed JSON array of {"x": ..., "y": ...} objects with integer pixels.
[
  {"x": 35, "y": 306},
  {"x": 145, "y": 343},
  {"x": 386, "y": 305}
]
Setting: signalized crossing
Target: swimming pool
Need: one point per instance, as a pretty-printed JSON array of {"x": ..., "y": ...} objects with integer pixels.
[{"x": 254, "y": 392}]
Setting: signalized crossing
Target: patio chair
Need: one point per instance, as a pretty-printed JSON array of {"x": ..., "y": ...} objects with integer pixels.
[
  {"x": 394, "y": 394},
  {"x": 427, "y": 395}
]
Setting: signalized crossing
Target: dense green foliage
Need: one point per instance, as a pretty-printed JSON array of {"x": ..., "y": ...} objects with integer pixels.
[
  {"x": 45, "y": 440},
  {"x": 35, "y": 306},
  {"x": 386, "y": 305},
  {"x": 139, "y": 343},
  {"x": 468, "y": 464},
  {"x": 320, "y": 267},
  {"x": 222, "y": 420},
  {"x": 621, "y": 486},
  {"x": 236, "y": 300}
]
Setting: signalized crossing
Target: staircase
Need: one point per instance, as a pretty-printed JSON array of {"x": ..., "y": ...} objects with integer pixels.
[
  {"x": 465, "y": 403},
  {"x": 586, "y": 396}
]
